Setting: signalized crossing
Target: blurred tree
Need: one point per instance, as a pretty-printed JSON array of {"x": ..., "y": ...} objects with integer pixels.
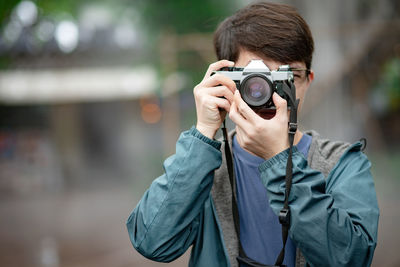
[
  {"x": 182, "y": 16},
  {"x": 385, "y": 102},
  {"x": 181, "y": 29},
  {"x": 46, "y": 7},
  {"x": 6, "y": 8},
  {"x": 391, "y": 79},
  {"x": 185, "y": 16}
]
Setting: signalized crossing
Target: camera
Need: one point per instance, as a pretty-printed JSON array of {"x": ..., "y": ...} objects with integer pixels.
[{"x": 256, "y": 82}]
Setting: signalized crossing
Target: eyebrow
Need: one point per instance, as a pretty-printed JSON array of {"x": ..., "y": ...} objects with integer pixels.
[{"x": 297, "y": 66}]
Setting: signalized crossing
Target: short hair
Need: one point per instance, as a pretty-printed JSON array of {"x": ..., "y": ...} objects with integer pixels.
[{"x": 274, "y": 31}]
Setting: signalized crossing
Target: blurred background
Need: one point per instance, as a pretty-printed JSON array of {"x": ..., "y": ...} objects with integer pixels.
[{"x": 94, "y": 94}]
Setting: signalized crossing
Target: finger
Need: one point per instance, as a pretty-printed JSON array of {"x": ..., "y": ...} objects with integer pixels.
[
  {"x": 281, "y": 106},
  {"x": 219, "y": 79},
  {"x": 237, "y": 118},
  {"x": 218, "y": 65},
  {"x": 220, "y": 91},
  {"x": 239, "y": 136},
  {"x": 222, "y": 103},
  {"x": 243, "y": 108},
  {"x": 242, "y": 138}
]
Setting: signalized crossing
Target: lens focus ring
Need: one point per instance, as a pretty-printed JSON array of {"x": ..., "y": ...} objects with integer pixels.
[{"x": 256, "y": 90}]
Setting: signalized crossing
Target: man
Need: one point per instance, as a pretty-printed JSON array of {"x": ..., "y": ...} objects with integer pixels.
[{"x": 333, "y": 207}]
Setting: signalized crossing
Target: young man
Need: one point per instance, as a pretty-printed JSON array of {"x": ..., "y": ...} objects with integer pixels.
[{"x": 333, "y": 207}]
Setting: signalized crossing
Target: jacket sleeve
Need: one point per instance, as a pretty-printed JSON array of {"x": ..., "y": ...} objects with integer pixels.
[
  {"x": 334, "y": 221},
  {"x": 165, "y": 222}
]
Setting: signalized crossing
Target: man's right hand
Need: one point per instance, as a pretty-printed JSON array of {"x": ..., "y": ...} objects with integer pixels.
[{"x": 213, "y": 97}]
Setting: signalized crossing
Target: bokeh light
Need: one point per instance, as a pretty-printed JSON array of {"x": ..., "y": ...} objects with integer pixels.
[
  {"x": 67, "y": 36},
  {"x": 27, "y": 13},
  {"x": 150, "y": 110}
]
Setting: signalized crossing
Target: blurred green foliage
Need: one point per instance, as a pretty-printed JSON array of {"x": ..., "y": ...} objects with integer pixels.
[
  {"x": 180, "y": 15},
  {"x": 391, "y": 79},
  {"x": 53, "y": 7},
  {"x": 389, "y": 84},
  {"x": 46, "y": 7},
  {"x": 185, "y": 16},
  {"x": 6, "y": 8}
]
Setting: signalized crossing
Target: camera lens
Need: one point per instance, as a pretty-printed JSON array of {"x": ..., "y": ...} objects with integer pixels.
[{"x": 256, "y": 90}]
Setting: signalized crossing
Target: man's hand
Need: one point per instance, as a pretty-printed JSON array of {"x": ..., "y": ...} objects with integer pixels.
[
  {"x": 213, "y": 97},
  {"x": 264, "y": 138}
]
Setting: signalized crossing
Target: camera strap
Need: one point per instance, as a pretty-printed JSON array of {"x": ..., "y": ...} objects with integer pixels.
[{"x": 284, "y": 215}]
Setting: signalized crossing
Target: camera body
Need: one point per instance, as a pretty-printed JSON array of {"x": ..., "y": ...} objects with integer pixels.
[{"x": 256, "y": 82}]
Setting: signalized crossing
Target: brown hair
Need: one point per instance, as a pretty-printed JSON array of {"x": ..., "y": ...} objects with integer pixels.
[{"x": 275, "y": 31}]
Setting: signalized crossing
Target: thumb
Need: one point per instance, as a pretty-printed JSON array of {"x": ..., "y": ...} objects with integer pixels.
[{"x": 281, "y": 105}]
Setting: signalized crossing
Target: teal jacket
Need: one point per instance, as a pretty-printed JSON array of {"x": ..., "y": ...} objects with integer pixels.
[{"x": 334, "y": 211}]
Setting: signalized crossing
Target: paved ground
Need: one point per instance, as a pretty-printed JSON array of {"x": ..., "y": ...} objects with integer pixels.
[
  {"x": 70, "y": 229},
  {"x": 388, "y": 190}
]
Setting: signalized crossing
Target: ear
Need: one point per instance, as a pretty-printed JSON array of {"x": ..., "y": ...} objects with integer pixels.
[{"x": 311, "y": 76}]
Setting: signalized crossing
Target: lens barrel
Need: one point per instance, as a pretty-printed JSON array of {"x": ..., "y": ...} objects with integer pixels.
[{"x": 256, "y": 90}]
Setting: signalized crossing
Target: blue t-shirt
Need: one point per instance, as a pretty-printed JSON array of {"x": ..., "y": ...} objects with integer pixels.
[{"x": 260, "y": 230}]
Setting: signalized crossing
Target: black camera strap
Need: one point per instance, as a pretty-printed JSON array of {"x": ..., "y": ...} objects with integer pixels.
[{"x": 284, "y": 215}]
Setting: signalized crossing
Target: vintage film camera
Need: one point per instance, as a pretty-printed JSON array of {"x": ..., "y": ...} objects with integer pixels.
[{"x": 256, "y": 83}]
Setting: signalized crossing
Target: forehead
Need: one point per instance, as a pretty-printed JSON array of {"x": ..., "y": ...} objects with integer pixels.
[{"x": 246, "y": 56}]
